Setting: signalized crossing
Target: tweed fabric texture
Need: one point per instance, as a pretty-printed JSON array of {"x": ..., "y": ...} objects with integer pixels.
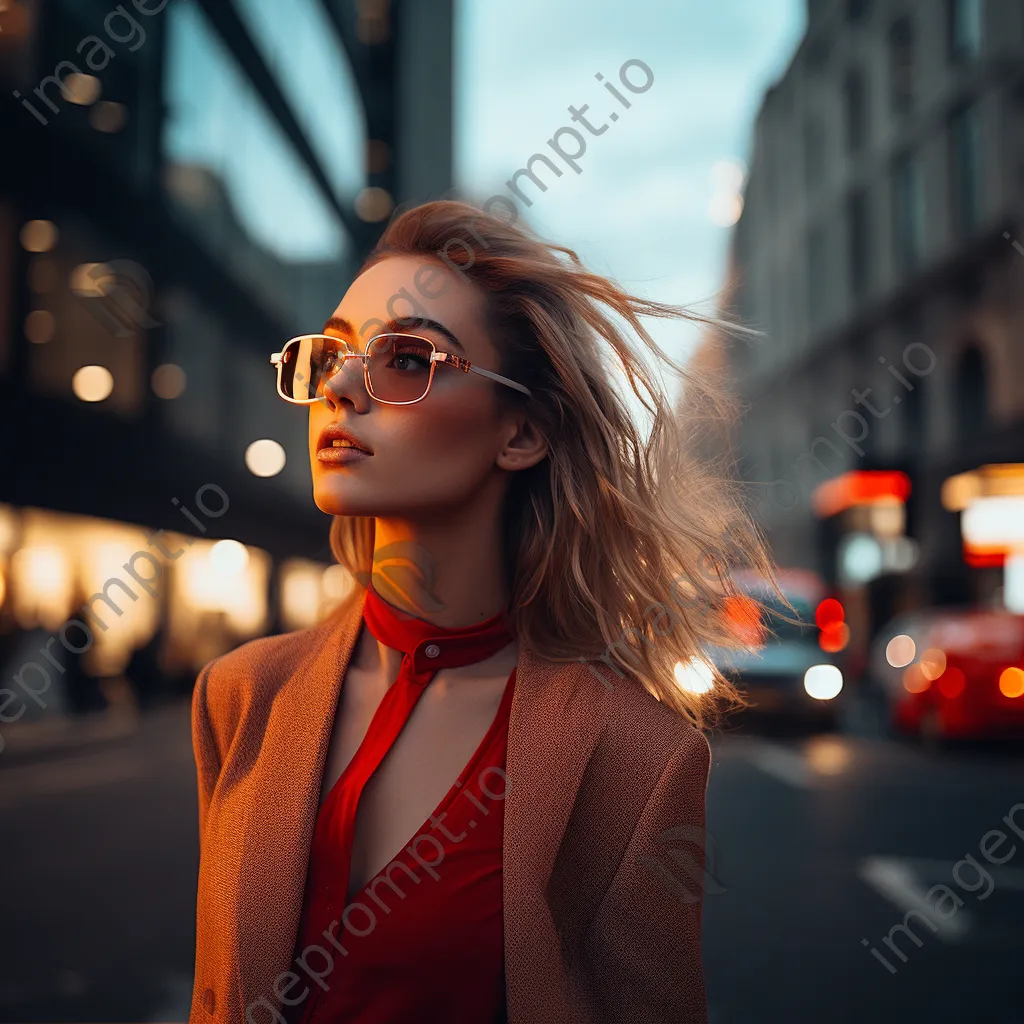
[{"x": 604, "y": 784}]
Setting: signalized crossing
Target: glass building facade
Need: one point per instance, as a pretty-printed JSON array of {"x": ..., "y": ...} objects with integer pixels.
[{"x": 188, "y": 190}]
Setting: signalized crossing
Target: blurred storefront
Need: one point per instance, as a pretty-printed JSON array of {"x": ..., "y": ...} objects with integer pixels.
[
  {"x": 875, "y": 249},
  {"x": 188, "y": 183},
  {"x": 137, "y": 606}
]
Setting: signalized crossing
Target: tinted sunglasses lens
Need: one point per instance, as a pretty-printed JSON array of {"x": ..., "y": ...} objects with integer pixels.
[
  {"x": 304, "y": 365},
  {"x": 399, "y": 368}
]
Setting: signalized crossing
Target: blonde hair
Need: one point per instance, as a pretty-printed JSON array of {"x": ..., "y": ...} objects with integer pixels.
[{"x": 611, "y": 524}]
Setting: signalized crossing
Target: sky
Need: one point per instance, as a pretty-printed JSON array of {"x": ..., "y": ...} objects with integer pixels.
[{"x": 639, "y": 208}]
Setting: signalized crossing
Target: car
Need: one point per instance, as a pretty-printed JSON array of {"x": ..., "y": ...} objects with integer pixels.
[
  {"x": 953, "y": 673},
  {"x": 785, "y": 673}
]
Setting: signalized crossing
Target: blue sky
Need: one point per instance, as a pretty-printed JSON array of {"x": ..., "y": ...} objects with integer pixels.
[{"x": 638, "y": 210}]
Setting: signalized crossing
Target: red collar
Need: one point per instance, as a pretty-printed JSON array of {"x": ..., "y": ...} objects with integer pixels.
[{"x": 431, "y": 646}]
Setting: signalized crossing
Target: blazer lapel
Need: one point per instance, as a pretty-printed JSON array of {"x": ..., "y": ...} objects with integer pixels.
[
  {"x": 555, "y": 722},
  {"x": 284, "y": 793}
]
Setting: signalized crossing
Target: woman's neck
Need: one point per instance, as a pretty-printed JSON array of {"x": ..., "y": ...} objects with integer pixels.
[{"x": 448, "y": 573}]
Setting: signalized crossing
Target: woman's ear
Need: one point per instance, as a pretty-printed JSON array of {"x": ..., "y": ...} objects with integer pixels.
[{"x": 524, "y": 448}]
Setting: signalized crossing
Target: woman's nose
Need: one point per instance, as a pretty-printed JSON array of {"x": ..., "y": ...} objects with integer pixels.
[{"x": 346, "y": 381}]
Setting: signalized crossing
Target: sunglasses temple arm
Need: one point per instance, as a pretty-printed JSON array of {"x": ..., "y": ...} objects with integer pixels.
[{"x": 501, "y": 380}]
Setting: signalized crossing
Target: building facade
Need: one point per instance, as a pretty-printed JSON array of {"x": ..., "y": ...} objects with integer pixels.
[
  {"x": 876, "y": 253},
  {"x": 186, "y": 185}
]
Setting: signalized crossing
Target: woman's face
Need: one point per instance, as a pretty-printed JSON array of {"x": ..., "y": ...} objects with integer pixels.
[{"x": 434, "y": 454}]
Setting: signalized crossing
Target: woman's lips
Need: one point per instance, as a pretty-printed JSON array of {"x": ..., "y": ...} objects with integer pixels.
[{"x": 341, "y": 456}]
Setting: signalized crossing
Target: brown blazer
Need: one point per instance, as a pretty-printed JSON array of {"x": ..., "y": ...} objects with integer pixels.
[{"x": 597, "y": 927}]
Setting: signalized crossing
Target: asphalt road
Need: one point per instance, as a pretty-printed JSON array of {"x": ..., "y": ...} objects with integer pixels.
[
  {"x": 819, "y": 843},
  {"x": 100, "y": 860},
  {"x": 829, "y": 841}
]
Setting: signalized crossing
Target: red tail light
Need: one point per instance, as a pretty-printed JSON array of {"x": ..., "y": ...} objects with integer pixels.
[
  {"x": 829, "y": 613},
  {"x": 830, "y": 617}
]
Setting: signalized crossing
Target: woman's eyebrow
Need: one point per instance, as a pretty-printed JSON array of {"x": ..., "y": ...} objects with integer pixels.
[
  {"x": 393, "y": 326},
  {"x": 339, "y": 324}
]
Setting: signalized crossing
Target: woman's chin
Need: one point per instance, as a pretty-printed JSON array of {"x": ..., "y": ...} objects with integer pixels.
[{"x": 337, "y": 500}]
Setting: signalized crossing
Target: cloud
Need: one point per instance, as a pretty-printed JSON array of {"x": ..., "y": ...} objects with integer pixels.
[{"x": 639, "y": 209}]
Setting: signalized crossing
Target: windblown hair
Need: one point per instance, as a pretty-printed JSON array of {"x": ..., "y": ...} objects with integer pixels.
[{"x": 620, "y": 544}]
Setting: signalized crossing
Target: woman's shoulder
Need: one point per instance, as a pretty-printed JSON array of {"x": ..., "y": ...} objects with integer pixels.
[
  {"x": 259, "y": 667},
  {"x": 633, "y": 721}
]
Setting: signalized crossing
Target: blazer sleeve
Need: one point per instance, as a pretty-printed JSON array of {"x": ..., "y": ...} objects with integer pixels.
[
  {"x": 645, "y": 938},
  {"x": 204, "y": 745}
]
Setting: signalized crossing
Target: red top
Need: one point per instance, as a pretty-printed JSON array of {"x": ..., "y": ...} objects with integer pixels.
[{"x": 423, "y": 939}]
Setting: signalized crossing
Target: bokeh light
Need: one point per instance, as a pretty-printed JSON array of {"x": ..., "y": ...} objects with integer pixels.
[
  {"x": 744, "y": 614},
  {"x": 229, "y": 557},
  {"x": 828, "y": 755},
  {"x": 725, "y": 208},
  {"x": 1011, "y": 682},
  {"x": 38, "y": 236},
  {"x": 92, "y": 383},
  {"x": 914, "y": 679},
  {"x": 82, "y": 89},
  {"x": 108, "y": 117},
  {"x": 823, "y": 682},
  {"x": 373, "y": 204},
  {"x": 933, "y": 663},
  {"x": 834, "y": 638},
  {"x": 40, "y": 326},
  {"x": 728, "y": 175},
  {"x": 900, "y": 651},
  {"x": 829, "y": 613},
  {"x": 337, "y": 582},
  {"x": 694, "y": 676},
  {"x": 265, "y": 457},
  {"x": 168, "y": 381}
]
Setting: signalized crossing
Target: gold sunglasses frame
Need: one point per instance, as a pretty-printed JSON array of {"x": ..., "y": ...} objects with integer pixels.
[{"x": 447, "y": 358}]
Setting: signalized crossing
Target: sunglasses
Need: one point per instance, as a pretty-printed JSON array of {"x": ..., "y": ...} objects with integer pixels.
[{"x": 398, "y": 369}]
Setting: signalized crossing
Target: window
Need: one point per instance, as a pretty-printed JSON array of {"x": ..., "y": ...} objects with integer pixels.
[
  {"x": 963, "y": 26},
  {"x": 233, "y": 178},
  {"x": 972, "y": 394},
  {"x": 857, "y": 10},
  {"x": 814, "y": 152},
  {"x": 854, "y": 108},
  {"x": 965, "y": 169},
  {"x": 817, "y": 275},
  {"x": 909, "y": 211},
  {"x": 857, "y": 229},
  {"x": 299, "y": 45},
  {"x": 818, "y": 52},
  {"x": 914, "y": 438},
  {"x": 901, "y": 65}
]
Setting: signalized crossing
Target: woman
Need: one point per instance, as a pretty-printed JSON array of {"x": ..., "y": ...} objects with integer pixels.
[{"x": 506, "y": 687}]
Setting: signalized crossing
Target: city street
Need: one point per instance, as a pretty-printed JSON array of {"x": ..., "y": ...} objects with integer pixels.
[
  {"x": 831, "y": 840},
  {"x": 302, "y": 298},
  {"x": 100, "y": 864},
  {"x": 821, "y": 842}
]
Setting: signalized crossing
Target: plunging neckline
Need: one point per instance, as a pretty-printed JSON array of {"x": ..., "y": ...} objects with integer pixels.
[
  {"x": 497, "y": 722},
  {"x": 426, "y": 649}
]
